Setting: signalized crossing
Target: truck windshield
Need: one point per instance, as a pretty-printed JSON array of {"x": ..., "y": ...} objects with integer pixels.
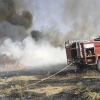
[{"x": 90, "y": 51}]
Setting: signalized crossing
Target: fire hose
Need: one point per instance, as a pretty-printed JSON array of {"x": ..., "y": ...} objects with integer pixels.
[
  {"x": 24, "y": 87},
  {"x": 52, "y": 75}
]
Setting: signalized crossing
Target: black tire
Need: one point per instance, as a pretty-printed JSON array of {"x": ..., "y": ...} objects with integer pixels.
[
  {"x": 98, "y": 65},
  {"x": 80, "y": 68},
  {"x": 83, "y": 68}
]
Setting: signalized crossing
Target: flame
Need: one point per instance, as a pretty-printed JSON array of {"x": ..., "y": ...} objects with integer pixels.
[
  {"x": 5, "y": 65},
  {"x": 21, "y": 66}
]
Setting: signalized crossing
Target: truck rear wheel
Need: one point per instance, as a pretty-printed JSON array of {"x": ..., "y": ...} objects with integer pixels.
[{"x": 98, "y": 65}]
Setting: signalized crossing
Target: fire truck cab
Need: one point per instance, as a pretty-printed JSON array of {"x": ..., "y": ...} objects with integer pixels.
[{"x": 84, "y": 52}]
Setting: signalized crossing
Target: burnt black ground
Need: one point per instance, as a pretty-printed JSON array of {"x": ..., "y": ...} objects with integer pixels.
[{"x": 64, "y": 95}]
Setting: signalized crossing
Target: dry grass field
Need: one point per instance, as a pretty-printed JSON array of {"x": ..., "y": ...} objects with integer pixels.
[{"x": 67, "y": 85}]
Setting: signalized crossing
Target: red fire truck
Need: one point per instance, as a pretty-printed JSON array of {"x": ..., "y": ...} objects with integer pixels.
[{"x": 86, "y": 53}]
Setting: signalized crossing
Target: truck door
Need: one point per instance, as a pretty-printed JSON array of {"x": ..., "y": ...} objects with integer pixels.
[{"x": 68, "y": 54}]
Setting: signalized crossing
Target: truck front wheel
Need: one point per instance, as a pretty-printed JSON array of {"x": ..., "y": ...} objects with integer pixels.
[
  {"x": 98, "y": 65},
  {"x": 80, "y": 67}
]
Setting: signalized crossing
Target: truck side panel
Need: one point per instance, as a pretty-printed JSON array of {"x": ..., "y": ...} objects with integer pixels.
[{"x": 97, "y": 48}]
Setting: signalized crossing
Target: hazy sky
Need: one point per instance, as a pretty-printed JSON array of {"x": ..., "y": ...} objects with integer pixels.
[{"x": 48, "y": 13}]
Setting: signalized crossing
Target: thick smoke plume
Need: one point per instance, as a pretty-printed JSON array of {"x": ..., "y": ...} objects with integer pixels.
[
  {"x": 12, "y": 24},
  {"x": 55, "y": 38},
  {"x": 16, "y": 45},
  {"x": 83, "y": 18},
  {"x": 8, "y": 13}
]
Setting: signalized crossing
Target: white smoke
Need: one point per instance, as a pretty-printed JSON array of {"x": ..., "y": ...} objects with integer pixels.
[{"x": 30, "y": 53}]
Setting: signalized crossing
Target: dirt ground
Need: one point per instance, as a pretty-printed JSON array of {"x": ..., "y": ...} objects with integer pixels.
[{"x": 67, "y": 85}]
